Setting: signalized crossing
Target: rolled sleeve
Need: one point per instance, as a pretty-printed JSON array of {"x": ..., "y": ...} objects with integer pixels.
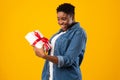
[{"x": 60, "y": 61}]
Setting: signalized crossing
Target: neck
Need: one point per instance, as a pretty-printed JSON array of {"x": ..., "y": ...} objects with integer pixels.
[{"x": 71, "y": 24}]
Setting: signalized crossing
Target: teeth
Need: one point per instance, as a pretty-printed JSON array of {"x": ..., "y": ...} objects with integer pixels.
[{"x": 62, "y": 25}]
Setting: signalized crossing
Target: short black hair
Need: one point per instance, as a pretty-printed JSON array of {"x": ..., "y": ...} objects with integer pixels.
[{"x": 67, "y": 8}]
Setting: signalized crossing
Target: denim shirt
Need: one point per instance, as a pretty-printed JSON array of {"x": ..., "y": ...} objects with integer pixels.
[{"x": 69, "y": 48}]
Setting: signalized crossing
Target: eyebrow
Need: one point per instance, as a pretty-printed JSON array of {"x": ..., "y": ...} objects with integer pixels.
[{"x": 62, "y": 17}]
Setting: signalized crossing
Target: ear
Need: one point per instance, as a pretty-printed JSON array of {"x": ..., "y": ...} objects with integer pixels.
[{"x": 72, "y": 17}]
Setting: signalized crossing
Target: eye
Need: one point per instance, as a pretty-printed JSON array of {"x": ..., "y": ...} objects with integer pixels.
[{"x": 64, "y": 18}]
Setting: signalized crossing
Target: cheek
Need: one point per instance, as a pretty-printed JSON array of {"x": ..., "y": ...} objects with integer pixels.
[
  {"x": 68, "y": 22},
  {"x": 65, "y": 22}
]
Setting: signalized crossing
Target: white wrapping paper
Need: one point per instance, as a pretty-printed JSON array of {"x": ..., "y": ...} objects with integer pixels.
[{"x": 31, "y": 38}]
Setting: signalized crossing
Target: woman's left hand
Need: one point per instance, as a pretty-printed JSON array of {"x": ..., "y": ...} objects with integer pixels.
[{"x": 39, "y": 52}]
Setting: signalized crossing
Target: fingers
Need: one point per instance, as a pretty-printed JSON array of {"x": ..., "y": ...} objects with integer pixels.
[{"x": 40, "y": 50}]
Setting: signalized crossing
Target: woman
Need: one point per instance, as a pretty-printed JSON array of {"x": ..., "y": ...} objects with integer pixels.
[{"x": 68, "y": 47}]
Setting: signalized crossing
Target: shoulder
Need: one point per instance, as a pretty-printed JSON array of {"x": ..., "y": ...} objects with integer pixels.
[{"x": 80, "y": 31}]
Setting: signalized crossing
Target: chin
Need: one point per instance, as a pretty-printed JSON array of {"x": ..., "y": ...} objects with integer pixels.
[{"x": 64, "y": 29}]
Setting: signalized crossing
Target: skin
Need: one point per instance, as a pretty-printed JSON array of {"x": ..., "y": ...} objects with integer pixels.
[{"x": 64, "y": 20}]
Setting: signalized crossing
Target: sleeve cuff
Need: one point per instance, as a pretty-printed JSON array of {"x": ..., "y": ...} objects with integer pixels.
[{"x": 60, "y": 61}]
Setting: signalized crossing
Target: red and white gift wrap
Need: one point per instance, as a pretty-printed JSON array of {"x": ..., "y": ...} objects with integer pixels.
[{"x": 36, "y": 39}]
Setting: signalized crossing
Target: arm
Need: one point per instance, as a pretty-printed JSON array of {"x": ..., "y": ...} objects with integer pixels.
[
  {"x": 75, "y": 49},
  {"x": 41, "y": 53}
]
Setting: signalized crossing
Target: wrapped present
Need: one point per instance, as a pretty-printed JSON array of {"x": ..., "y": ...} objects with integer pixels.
[{"x": 36, "y": 39}]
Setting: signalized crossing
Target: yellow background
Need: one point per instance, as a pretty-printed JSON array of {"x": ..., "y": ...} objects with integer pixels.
[{"x": 100, "y": 19}]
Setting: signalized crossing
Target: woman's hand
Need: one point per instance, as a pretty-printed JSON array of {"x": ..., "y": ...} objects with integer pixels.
[{"x": 39, "y": 52}]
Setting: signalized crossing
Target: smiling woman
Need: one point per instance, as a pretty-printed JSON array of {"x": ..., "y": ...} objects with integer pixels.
[
  {"x": 68, "y": 47},
  {"x": 65, "y": 15},
  {"x": 64, "y": 20}
]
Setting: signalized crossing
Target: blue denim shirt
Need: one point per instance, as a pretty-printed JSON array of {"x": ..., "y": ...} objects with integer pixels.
[{"x": 69, "y": 48}]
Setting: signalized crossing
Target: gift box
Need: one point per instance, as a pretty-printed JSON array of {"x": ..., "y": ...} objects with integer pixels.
[{"x": 35, "y": 38}]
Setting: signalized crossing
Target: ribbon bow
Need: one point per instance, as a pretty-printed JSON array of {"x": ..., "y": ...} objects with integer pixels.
[{"x": 43, "y": 39}]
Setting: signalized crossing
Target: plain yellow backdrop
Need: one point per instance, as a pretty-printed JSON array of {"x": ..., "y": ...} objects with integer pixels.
[{"x": 99, "y": 18}]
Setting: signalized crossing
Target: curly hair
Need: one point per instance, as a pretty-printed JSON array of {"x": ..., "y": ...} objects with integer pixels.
[{"x": 67, "y": 8}]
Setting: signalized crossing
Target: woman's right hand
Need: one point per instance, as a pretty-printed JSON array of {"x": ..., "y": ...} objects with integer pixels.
[{"x": 39, "y": 51}]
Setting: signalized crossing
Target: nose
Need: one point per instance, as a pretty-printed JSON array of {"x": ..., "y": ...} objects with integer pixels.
[{"x": 60, "y": 22}]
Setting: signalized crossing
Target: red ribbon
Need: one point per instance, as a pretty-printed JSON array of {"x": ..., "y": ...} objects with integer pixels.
[{"x": 43, "y": 39}]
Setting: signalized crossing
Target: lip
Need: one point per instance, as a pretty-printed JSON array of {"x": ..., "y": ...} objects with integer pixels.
[{"x": 63, "y": 26}]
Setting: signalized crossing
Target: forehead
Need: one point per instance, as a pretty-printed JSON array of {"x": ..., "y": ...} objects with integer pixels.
[{"x": 62, "y": 14}]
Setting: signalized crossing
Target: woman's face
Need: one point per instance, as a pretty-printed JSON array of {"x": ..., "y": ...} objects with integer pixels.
[{"x": 64, "y": 20}]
